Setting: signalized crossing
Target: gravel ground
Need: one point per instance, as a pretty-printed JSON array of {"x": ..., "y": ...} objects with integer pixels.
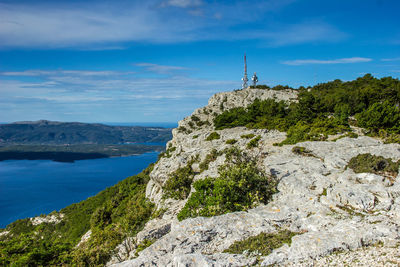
[{"x": 369, "y": 256}]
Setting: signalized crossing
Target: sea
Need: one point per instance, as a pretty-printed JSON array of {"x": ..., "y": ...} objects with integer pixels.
[{"x": 30, "y": 188}]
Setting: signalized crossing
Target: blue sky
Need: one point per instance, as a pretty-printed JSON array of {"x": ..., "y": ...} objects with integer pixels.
[{"x": 158, "y": 60}]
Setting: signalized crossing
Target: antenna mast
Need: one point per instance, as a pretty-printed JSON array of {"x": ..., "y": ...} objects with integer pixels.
[{"x": 244, "y": 79}]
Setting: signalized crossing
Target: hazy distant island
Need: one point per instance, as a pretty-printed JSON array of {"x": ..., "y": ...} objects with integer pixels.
[
  {"x": 70, "y": 141},
  {"x": 70, "y": 153}
]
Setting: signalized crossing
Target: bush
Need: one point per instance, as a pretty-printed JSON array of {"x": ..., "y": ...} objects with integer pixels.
[
  {"x": 179, "y": 182},
  {"x": 262, "y": 244},
  {"x": 374, "y": 164},
  {"x": 143, "y": 245},
  {"x": 253, "y": 142},
  {"x": 182, "y": 129},
  {"x": 247, "y": 136},
  {"x": 209, "y": 158},
  {"x": 231, "y": 141},
  {"x": 195, "y": 118},
  {"x": 323, "y": 110},
  {"x": 213, "y": 136},
  {"x": 299, "y": 150},
  {"x": 240, "y": 186},
  {"x": 380, "y": 116}
]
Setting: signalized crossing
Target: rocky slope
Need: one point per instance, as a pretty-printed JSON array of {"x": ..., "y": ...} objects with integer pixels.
[{"x": 331, "y": 207}]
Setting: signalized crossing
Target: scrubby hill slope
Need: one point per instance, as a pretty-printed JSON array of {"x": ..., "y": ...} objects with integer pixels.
[
  {"x": 325, "y": 204},
  {"x": 257, "y": 177}
]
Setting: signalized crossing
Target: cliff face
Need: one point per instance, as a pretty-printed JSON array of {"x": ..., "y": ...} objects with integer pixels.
[{"x": 329, "y": 206}]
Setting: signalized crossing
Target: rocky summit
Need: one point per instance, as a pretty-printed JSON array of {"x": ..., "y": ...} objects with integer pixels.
[{"x": 337, "y": 215}]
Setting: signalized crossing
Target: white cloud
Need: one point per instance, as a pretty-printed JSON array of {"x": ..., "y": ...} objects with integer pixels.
[
  {"x": 182, "y": 3},
  {"x": 161, "y": 69},
  {"x": 391, "y": 59},
  {"x": 110, "y": 97},
  {"x": 100, "y": 26},
  {"x": 62, "y": 72},
  {"x": 306, "y": 32},
  {"x": 332, "y": 61}
]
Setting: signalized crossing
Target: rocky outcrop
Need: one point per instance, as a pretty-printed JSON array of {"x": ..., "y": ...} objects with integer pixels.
[
  {"x": 331, "y": 207},
  {"x": 54, "y": 218}
]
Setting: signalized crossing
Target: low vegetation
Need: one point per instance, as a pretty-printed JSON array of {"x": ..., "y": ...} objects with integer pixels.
[
  {"x": 213, "y": 136},
  {"x": 299, "y": 150},
  {"x": 247, "y": 136},
  {"x": 167, "y": 153},
  {"x": 179, "y": 182},
  {"x": 262, "y": 244},
  {"x": 183, "y": 129},
  {"x": 253, "y": 142},
  {"x": 240, "y": 186},
  {"x": 212, "y": 156},
  {"x": 374, "y": 164},
  {"x": 231, "y": 141},
  {"x": 325, "y": 109},
  {"x": 277, "y": 87},
  {"x": 143, "y": 245},
  {"x": 111, "y": 215}
]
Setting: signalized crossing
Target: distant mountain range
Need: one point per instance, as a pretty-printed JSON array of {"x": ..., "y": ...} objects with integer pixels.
[{"x": 57, "y": 133}]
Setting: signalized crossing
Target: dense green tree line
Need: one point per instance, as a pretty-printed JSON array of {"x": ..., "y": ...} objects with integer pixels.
[{"x": 324, "y": 109}]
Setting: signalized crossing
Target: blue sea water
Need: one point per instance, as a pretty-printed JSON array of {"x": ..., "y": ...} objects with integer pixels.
[{"x": 32, "y": 187}]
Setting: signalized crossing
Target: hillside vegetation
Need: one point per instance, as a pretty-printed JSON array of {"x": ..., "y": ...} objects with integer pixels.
[
  {"x": 326, "y": 109},
  {"x": 55, "y": 133}
]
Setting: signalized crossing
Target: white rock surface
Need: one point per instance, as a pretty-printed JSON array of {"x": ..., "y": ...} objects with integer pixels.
[
  {"x": 334, "y": 208},
  {"x": 54, "y": 218}
]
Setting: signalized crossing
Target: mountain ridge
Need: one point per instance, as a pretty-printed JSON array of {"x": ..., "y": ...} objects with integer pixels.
[{"x": 54, "y": 133}]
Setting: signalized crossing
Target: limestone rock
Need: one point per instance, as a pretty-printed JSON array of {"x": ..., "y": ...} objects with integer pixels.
[{"x": 333, "y": 208}]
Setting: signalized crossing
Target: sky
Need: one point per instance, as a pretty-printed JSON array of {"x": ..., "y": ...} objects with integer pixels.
[{"x": 158, "y": 60}]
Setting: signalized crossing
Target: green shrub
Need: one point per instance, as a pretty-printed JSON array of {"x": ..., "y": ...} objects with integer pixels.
[
  {"x": 247, "y": 136},
  {"x": 380, "y": 116},
  {"x": 213, "y": 136},
  {"x": 392, "y": 138},
  {"x": 253, "y": 142},
  {"x": 201, "y": 123},
  {"x": 374, "y": 164},
  {"x": 179, "y": 182},
  {"x": 195, "y": 136},
  {"x": 349, "y": 135},
  {"x": 388, "y": 137},
  {"x": 143, "y": 245},
  {"x": 195, "y": 118},
  {"x": 209, "y": 158},
  {"x": 299, "y": 150},
  {"x": 221, "y": 105},
  {"x": 323, "y": 110},
  {"x": 231, "y": 141},
  {"x": 182, "y": 129},
  {"x": 262, "y": 244},
  {"x": 240, "y": 186}
]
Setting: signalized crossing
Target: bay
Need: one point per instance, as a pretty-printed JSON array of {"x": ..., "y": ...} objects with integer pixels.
[{"x": 29, "y": 188}]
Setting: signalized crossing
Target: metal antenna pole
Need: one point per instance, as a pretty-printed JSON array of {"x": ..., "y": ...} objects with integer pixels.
[{"x": 244, "y": 79}]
